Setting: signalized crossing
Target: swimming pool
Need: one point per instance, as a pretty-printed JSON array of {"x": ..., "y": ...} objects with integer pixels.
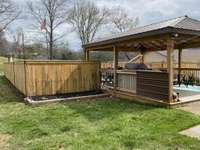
[{"x": 189, "y": 88}]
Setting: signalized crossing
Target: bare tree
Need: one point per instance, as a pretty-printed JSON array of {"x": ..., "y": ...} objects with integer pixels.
[
  {"x": 3, "y": 43},
  {"x": 122, "y": 22},
  {"x": 50, "y": 12},
  {"x": 86, "y": 19},
  {"x": 8, "y": 13},
  {"x": 17, "y": 48}
]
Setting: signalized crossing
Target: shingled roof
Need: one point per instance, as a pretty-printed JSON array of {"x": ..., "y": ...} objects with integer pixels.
[{"x": 182, "y": 24}]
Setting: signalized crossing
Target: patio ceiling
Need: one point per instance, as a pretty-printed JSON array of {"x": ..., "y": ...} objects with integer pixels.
[{"x": 183, "y": 30}]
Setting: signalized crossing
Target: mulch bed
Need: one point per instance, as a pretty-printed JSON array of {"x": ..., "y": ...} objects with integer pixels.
[{"x": 60, "y": 96}]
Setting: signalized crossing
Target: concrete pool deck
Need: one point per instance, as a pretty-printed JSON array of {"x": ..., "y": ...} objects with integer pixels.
[
  {"x": 193, "y": 132},
  {"x": 194, "y": 108}
]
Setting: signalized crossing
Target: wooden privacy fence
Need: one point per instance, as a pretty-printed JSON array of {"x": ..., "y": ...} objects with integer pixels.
[
  {"x": 153, "y": 65},
  {"x": 109, "y": 64},
  {"x": 37, "y": 78},
  {"x": 161, "y": 65}
]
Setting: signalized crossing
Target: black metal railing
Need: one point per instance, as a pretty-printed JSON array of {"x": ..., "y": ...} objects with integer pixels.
[{"x": 187, "y": 76}]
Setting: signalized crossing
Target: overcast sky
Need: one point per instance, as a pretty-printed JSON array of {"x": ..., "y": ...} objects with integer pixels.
[{"x": 148, "y": 11}]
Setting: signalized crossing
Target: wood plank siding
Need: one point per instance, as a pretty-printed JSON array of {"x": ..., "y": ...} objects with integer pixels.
[
  {"x": 37, "y": 78},
  {"x": 126, "y": 81},
  {"x": 153, "y": 84}
]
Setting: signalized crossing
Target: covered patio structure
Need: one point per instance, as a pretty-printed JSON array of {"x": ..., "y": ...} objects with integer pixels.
[{"x": 150, "y": 86}]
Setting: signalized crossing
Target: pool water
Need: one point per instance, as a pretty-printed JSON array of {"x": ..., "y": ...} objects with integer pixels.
[{"x": 189, "y": 88}]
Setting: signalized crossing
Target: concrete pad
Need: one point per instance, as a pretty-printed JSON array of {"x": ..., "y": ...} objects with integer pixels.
[
  {"x": 193, "y": 132},
  {"x": 192, "y": 107}
]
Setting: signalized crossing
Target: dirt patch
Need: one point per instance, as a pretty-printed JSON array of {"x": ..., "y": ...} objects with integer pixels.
[{"x": 4, "y": 140}]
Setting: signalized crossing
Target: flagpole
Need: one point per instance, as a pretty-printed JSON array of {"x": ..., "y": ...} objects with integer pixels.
[{"x": 43, "y": 27}]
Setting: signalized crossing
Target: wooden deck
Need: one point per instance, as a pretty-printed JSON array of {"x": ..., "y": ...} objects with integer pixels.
[{"x": 150, "y": 87}]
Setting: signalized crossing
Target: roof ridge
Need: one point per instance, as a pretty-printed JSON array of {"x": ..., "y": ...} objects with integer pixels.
[
  {"x": 166, "y": 26},
  {"x": 184, "y": 17},
  {"x": 179, "y": 22},
  {"x": 193, "y": 19},
  {"x": 139, "y": 27}
]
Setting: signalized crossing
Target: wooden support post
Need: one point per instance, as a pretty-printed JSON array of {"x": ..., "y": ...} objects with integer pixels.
[
  {"x": 179, "y": 65},
  {"x": 115, "y": 63},
  {"x": 170, "y": 49},
  {"x": 87, "y": 55},
  {"x": 84, "y": 55},
  {"x": 142, "y": 59}
]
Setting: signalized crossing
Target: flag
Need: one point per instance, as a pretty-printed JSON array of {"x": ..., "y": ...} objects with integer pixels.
[{"x": 43, "y": 25}]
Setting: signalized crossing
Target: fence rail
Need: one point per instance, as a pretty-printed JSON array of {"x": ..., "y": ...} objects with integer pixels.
[{"x": 36, "y": 78}]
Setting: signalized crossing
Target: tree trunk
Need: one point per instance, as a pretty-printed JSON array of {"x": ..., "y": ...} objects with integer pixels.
[{"x": 51, "y": 42}]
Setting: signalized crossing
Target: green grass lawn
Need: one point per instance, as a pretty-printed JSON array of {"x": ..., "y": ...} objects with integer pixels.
[{"x": 100, "y": 124}]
